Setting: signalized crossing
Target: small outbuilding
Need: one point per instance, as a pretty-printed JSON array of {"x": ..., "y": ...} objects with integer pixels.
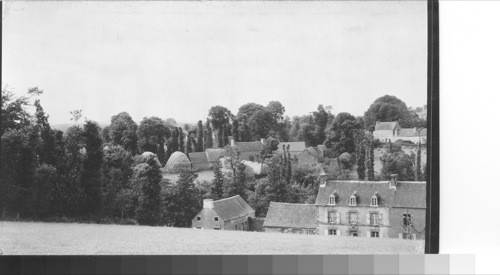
[
  {"x": 231, "y": 213},
  {"x": 291, "y": 218}
]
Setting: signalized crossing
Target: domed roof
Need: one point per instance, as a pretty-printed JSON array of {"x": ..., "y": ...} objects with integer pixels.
[{"x": 178, "y": 162}]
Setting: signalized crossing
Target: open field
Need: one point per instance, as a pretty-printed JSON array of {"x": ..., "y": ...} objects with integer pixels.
[{"x": 36, "y": 238}]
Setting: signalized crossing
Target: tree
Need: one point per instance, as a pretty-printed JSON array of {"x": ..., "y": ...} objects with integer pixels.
[
  {"x": 237, "y": 185},
  {"x": 117, "y": 171},
  {"x": 76, "y": 115},
  {"x": 248, "y": 110},
  {"x": 360, "y": 156},
  {"x": 217, "y": 190},
  {"x": 219, "y": 116},
  {"x": 277, "y": 110},
  {"x": 189, "y": 144},
  {"x": 260, "y": 123},
  {"x": 277, "y": 188},
  {"x": 146, "y": 178},
  {"x": 43, "y": 188},
  {"x": 235, "y": 130},
  {"x": 182, "y": 201},
  {"x": 370, "y": 161},
  {"x": 92, "y": 176},
  {"x": 397, "y": 162},
  {"x": 418, "y": 164},
  {"x": 388, "y": 108},
  {"x": 320, "y": 123},
  {"x": 46, "y": 146},
  {"x": 208, "y": 141},
  {"x": 244, "y": 130},
  {"x": 340, "y": 134},
  {"x": 14, "y": 116},
  {"x": 123, "y": 131},
  {"x": 181, "y": 140},
  {"x": 152, "y": 133},
  {"x": 200, "y": 137}
]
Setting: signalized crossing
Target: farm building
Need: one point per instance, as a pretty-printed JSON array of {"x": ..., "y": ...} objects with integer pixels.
[
  {"x": 291, "y": 218},
  {"x": 199, "y": 161},
  {"x": 250, "y": 150},
  {"x": 391, "y": 131},
  {"x": 310, "y": 156},
  {"x": 295, "y": 148},
  {"x": 372, "y": 209},
  {"x": 178, "y": 162},
  {"x": 226, "y": 214}
]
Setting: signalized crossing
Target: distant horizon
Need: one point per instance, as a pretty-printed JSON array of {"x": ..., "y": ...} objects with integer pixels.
[{"x": 178, "y": 59}]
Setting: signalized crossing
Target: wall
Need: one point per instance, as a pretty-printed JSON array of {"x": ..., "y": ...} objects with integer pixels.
[
  {"x": 241, "y": 222},
  {"x": 289, "y": 230},
  {"x": 382, "y": 135},
  {"x": 207, "y": 219},
  {"x": 396, "y": 220},
  {"x": 344, "y": 226}
]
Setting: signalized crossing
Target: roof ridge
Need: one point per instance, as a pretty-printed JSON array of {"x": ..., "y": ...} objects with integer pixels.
[
  {"x": 292, "y": 203},
  {"x": 227, "y": 198}
]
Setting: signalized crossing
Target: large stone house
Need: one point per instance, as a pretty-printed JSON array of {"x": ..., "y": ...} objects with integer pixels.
[
  {"x": 372, "y": 209},
  {"x": 291, "y": 218},
  {"x": 391, "y": 131},
  {"x": 226, "y": 214}
]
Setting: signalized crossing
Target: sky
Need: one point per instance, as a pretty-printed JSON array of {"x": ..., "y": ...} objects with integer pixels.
[{"x": 178, "y": 59}]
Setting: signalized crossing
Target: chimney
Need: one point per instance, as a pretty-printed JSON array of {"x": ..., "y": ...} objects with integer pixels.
[
  {"x": 394, "y": 181},
  {"x": 231, "y": 140},
  {"x": 208, "y": 203},
  {"x": 263, "y": 140}
]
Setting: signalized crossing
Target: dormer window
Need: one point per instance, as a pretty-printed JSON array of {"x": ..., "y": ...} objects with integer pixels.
[
  {"x": 332, "y": 199},
  {"x": 352, "y": 200},
  {"x": 374, "y": 200}
]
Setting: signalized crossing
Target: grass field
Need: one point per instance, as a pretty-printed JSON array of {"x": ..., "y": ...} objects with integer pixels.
[{"x": 36, "y": 238}]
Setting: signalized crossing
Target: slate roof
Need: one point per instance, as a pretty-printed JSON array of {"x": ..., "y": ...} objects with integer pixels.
[
  {"x": 407, "y": 132},
  {"x": 198, "y": 157},
  {"x": 406, "y": 194},
  {"x": 232, "y": 208},
  {"x": 291, "y": 215},
  {"x": 252, "y": 146},
  {"x": 297, "y": 146},
  {"x": 214, "y": 154},
  {"x": 410, "y": 194},
  {"x": 312, "y": 151},
  {"x": 385, "y": 125}
]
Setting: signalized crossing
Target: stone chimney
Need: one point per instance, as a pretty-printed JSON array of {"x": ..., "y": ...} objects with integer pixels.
[
  {"x": 208, "y": 203},
  {"x": 394, "y": 181},
  {"x": 231, "y": 140}
]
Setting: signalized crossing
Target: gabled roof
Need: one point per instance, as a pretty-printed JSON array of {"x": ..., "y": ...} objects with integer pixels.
[
  {"x": 407, "y": 194},
  {"x": 252, "y": 146},
  {"x": 297, "y": 146},
  {"x": 198, "y": 157},
  {"x": 410, "y": 194},
  {"x": 291, "y": 215},
  {"x": 312, "y": 151},
  {"x": 386, "y": 125},
  {"x": 232, "y": 208},
  {"x": 322, "y": 147},
  {"x": 214, "y": 154},
  {"x": 407, "y": 132},
  {"x": 363, "y": 189}
]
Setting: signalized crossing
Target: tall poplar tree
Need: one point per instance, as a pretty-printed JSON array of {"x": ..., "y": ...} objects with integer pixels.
[
  {"x": 199, "y": 137},
  {"x": 181, "y": 140},
  {"x": 208, "y": 141}
]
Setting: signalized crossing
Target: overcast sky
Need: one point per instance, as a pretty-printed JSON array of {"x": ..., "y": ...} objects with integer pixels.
[{"x": 177, "y": 59}]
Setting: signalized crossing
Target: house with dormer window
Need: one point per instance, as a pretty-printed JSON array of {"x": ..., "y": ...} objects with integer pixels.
[{"x": 374, "y": 209}]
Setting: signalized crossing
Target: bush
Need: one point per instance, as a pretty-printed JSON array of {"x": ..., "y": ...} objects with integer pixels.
[{"x": 400, "y": 141}]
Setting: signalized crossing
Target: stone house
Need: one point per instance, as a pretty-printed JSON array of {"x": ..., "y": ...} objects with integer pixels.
[
  {"x": 291, "y": 218},
  {"x": 226, "y": 214},
  {"x": 391, "y": 131},
  {"x": 372, "y": 209}
]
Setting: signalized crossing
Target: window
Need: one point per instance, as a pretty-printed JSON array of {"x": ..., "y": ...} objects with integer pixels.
[
  {"x": 374, "y": 201},
  {"x": 353, "y": 233},
  {"x": 352, "y": 200},
  {"x": 353, "y": 218},
  {"x": 332, "y": 199},
  {"x": 311, "y": 231},
  {"x": 332, "y": 232},
  {"x": 406, "y": 219},
  {"x": 332, "y": 217},
  {"x": 216, "y": 219},
  {"x": 198, "y": 218},
  {"x": 374, "y": 234},
  {"x": 374, "y": 219}
]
